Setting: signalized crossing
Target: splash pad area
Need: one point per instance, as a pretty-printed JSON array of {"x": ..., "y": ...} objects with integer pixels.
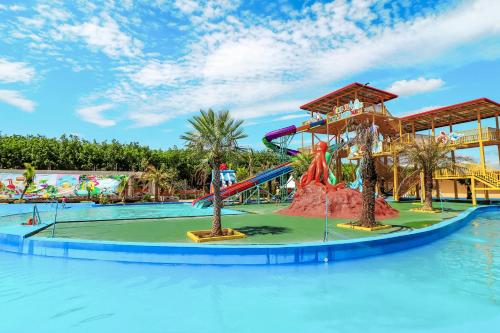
[{"x": 271, "y": 239}]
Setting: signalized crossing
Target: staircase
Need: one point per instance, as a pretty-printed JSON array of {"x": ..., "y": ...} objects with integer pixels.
[
  {"x": 408, "y": 183},
  {"x": 489, "y": 177}
]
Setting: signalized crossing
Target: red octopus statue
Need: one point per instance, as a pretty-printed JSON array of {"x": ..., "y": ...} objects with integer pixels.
[{"x": 318, "y": 170}]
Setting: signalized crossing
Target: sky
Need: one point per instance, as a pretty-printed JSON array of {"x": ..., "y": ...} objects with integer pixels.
[{"x": 135, "y": 70}]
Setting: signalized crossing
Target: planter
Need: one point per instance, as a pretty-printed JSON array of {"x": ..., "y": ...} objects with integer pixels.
[
  {"x": 357, "y": 227},
  {"x": 420, "y": 210},
  {"x": 201, "y": 236}
]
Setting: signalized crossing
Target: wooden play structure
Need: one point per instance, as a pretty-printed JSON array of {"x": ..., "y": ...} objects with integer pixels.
[{"x": 357, "y": 103}]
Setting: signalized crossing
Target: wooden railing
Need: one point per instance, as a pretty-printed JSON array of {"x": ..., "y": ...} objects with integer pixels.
[
  {"x": 343, "y": 112},
  {"x": 409, "y": 182},
  {"x": 464, "y": 137},
  {"x": 487, "y": 176}
]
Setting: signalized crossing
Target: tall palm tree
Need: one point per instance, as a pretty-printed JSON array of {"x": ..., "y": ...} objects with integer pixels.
[
  {"x": 365, "y": 138},
  {"x": 162, "y": 178},
  {"x": 427, "y": 156},
  {"x": 215, "y": 136},
  {"x": 29, "y": 177}
]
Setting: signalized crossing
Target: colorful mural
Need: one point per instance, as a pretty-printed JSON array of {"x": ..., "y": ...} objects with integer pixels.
[{"x": 57, "y": 185}]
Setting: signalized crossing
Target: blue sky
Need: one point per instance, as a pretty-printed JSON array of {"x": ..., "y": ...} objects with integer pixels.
[{"x": 136, "y": 70}]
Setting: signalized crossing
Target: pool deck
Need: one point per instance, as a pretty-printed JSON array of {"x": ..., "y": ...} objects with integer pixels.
[
  {"x": 262, "y": 224},
  {"x": 16, "y": 240}
]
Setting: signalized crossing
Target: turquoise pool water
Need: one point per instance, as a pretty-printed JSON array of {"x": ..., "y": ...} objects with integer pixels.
[
  {"x": 86, "y": 212},
  {"x": 451, "y": 285}
]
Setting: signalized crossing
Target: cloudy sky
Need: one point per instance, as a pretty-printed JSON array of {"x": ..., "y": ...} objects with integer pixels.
[{"x": 135, "y": 70}]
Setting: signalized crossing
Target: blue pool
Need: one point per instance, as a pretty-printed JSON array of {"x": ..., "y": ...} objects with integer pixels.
[
  {"x": 15, "y": 214},
  {"x": 451, "y": 285}
]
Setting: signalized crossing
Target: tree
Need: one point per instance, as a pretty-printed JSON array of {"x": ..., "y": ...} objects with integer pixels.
[
  {"x": 426, "y": 155},
  {"x": 122, "y": 187},
  {"x": 29, "y": 178},
  {"x": 215, "y": 137},
  {"x": 163, "y": 179},
  {"x": 467, "y": 183},
  {"x": 365, "y": 138},
  {"x": 301, "y": 163}
]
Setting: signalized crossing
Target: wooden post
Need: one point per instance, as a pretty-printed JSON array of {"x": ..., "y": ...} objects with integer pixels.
[
  {"x": 395, "y": 192},
  {"x": 413, "y": 129},
  {"x": 433, "y": 129},
  {"x": 338, "y": 166},
  {"x": 481, "y": 146},
  {"x": 497, "y": 136},
  {"x": 473, "y": 190},
  {"x": 455, "y": 187},
  {"x": 312, "y": 134}
]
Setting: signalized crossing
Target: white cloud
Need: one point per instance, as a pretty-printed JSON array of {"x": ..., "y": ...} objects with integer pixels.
[
  {"x": 51, "y": 12},
  {"x": 412, "y": 42},
  {"x": 293, "y": 116},
  {"x": 156, "y": 73},
  {"x": 14, "y": 8},
  {"x": 145, "y": 119},
  {"x": 93, "y": 114},
  {"x": 15, "y": 71},
  {"x": 248, "y": 64},
  {"x": 269, "y": 109},
  {"x": 256, "y": 65},
  {"x": 422, "y": 109},
  {"x": 186, "y": 6},
  {"x": 416, "y": 86},
  {"x": 205, "y": 9},
  {"x": 17, "y": 100},
  {"x": 248, "y": 58},
  {"x": 104, "y": 33}
]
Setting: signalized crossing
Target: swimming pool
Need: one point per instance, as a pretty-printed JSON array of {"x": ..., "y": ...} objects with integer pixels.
[
  {"x": 451, "y": 285},
  {"x": 16, "y": 214}
]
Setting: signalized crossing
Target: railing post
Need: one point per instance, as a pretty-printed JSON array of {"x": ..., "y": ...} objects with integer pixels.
[{"x": 473, "y": 190}]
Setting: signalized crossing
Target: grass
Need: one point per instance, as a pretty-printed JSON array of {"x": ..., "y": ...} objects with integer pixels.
[{"x": 262, "y": 225}]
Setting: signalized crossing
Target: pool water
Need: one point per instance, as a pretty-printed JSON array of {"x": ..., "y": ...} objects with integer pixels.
[
  {"x": 12, "y": 209},
  {"x": 107, "y": 212},
  {"x": 451, "y": 285}
]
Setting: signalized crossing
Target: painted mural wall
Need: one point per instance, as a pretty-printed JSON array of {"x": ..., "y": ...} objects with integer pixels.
[{"x": 57, "y": 185}]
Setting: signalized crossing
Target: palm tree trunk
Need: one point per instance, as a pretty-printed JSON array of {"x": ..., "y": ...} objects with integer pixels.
[
  {"x": 23, "y": 193},
  {"x": 428, "y": 190},
  {"x": 157, "y": 191},
  {"x": 216, "y": 221},
  {"x": 369, "y": 176}
]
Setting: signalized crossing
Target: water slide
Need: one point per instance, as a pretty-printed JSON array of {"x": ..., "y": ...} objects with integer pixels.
[{"x": 267, "y": 175}]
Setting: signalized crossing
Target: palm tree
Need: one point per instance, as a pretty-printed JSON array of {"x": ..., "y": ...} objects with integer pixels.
[
  {"x": 215, "y": 136},
  {"x": 201, "y": 174},
  {"x": 427, "y": 156},
  {"x": 301, "y": 163},
  {"x": 365, "y": 138},
  {"x": 162, "y": 178},
  {"x": 122, "y": 187},
  {"x": 29, "y": 178}
]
